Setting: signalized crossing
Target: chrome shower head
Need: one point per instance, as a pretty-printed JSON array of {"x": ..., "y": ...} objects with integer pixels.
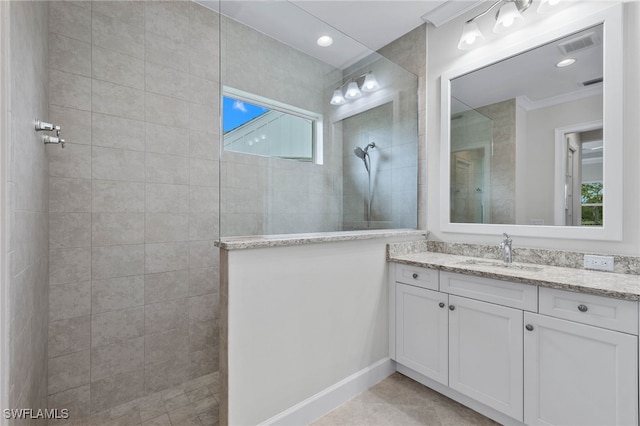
[{"x": 359, "y": 152}]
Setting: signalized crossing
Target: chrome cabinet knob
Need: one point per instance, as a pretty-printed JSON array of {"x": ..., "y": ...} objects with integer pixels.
[
  {"x": 415, "y": 276},
  {"x": 529, "y": 327},
  {"x": 452, "y": 308},
  {"x": 441, "y": 304},
  {"x": 583, "y": 308}
]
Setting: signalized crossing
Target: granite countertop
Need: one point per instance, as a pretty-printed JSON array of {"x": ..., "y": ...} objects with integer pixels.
[
  {"x": 621, "y": 286},
  {"x": 263, "y": 241}
]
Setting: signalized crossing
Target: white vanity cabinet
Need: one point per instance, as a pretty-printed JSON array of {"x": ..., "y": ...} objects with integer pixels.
[
  {"x": 485, "y": 353},
  {"x": 517, "y": 352},
  {"x": 577, "y": 373},
  {"x": 422, "y": 331}
]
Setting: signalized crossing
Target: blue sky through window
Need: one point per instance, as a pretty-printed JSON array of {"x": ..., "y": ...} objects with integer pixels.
[{"x": 235, "y": 113}]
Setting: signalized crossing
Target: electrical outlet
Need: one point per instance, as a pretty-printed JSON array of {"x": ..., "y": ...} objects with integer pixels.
[{"x": 601, "y": 263}]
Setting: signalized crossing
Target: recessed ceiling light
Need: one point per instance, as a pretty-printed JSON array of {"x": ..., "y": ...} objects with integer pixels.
[
  {"x": 325, "y": 41},
  {"x": 565, "y": 62}
]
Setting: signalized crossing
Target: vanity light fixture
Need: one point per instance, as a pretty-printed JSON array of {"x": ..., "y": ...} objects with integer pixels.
[
  {"x": 565, "y": 62},
  {"x": 508, "y": 17},
  {"x": 354, "y": 90}
]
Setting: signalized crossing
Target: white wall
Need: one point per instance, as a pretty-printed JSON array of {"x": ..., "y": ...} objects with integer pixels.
[
  {"x": 302, "y": 318},
  {"x": 540, "y": 152},
  {"x": 443, "y": 56}
]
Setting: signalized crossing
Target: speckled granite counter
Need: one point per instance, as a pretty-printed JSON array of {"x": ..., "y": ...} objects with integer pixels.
[
  {"x": 621, "y": 286},
  {"x": 262, "y": 241}
]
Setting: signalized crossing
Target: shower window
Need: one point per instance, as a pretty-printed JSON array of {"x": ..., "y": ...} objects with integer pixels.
[{"x": 260, "y": 126}]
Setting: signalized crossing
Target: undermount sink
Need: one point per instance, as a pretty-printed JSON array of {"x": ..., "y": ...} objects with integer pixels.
[{"x": 496, "y": 263}]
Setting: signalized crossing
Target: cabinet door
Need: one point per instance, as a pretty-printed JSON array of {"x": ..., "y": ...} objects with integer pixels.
[
  {"x": 578, "y": 374},
  {"x": 486, "y": 354},
  {"x": 421, "y": 331}
]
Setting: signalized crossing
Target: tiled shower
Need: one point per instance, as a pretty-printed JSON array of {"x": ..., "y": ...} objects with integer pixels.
[
  {"x": 133, "y": 200},
  {"x": 111, "y": 250}
]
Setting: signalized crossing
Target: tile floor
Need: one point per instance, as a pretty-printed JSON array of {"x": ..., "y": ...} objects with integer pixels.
[
  {"x": 396, "y": 401},
  {"x": 194, "y": 403},
  {"x": 399, "y": 401}
]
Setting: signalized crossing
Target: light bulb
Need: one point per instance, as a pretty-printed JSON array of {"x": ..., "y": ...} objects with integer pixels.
[
  {"x": 337, "y": 98},
  {"x": 508, "y": 17},
  {"x": 471, "y": 36},
  {"x": 370, "y": 83},
  {"x": 353, "y": 91}
]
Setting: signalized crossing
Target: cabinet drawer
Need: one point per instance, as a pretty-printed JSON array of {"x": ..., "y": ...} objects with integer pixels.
[
  {"x": 600, "y": 311},
  {"x": 505, "y": 293},
  {"x": 421, "y": 277}
]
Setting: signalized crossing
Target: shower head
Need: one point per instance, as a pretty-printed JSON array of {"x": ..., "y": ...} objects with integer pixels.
[{"x": 359, "y": 152}]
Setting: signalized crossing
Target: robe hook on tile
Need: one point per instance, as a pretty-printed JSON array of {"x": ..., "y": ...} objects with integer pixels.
[{"x": 48, "y": 127}]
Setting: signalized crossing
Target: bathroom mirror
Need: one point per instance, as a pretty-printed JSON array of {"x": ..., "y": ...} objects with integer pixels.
[{"x": 533, "y": 143}]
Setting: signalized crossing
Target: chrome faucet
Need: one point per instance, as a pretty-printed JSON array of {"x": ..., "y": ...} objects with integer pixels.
[{"x": 505, "y": 245}]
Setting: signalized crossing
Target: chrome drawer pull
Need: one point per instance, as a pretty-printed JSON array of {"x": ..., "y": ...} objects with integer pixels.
[{"x": 583, "y": 308}]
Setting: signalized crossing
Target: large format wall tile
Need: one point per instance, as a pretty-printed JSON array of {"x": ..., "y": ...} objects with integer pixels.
[{"x": 133, "y": 200}]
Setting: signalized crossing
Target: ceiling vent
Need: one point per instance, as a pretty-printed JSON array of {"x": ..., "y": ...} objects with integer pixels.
[{"x": 579, "y": 43}]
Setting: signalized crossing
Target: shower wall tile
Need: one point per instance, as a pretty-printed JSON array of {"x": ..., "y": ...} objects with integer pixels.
[
  {"x": 204, "y": 145},
  {"x": 114, "y": 34},
  {"x": 117, "y": 228},
  {"x": 117, "y": 164},
  {"x": 69, "y": 265},
  {"x": 166, "y": 140},
  {"x": 165, "y": 51},
  {"x": 68, "y": 371},
  {"x": 114, "y": 99},
  {"x": 69, "y": 195},
  {"x": 73, "y": 162},
  {"x": 119, "y": 68},
  {"x": 203, "y": 308},
  {"x": 164, "y": 257},
  {"x": 117, "y": 389},
  {"x": 117, "y": 326},
  {"x": 166, "y": 81},
  {"x": 69, "y": 335},
  {"x": 166, "y": 110},
  {"x": 165, "y": 198},
  {"x": 77, "y": 124},
  {"x": 164, "y": 346},
  {"x": 166, "y": 374},
  {"x": 68, "y": 230},
  {"x": 128, "y": 12},
  {"x": 117, "y": 358},
  {"x": 70, "y": 90},
  {"x": 118, "y": 197},
  {"x": 117, "y": 293},
  {"x": 203, "y": 172},
  {"x": 117, "y": 261},
  {"x": 69, "y": 300},
  {"x": 170, "y": 169},
  {"x": 203, "y": 281},
  {"x": 170, "y": 19},
  {"x": 166, "y": 286},
  {"x": 69, "y": 55},
  {"x": 202, "y": 362},
  {"x": 76, "y": 400},
  {"x": 142, "y": 99},
  {"x": 161, "y": 228},
  {"x": 166, "y": 316},
  {"x": 70, "y": 20}
]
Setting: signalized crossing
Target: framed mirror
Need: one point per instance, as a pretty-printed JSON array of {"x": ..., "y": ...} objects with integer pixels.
[{"x": 532, "y": 136}]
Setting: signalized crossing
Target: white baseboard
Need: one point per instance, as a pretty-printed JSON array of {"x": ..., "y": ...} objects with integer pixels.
[{"x": 332, "y": 397}]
